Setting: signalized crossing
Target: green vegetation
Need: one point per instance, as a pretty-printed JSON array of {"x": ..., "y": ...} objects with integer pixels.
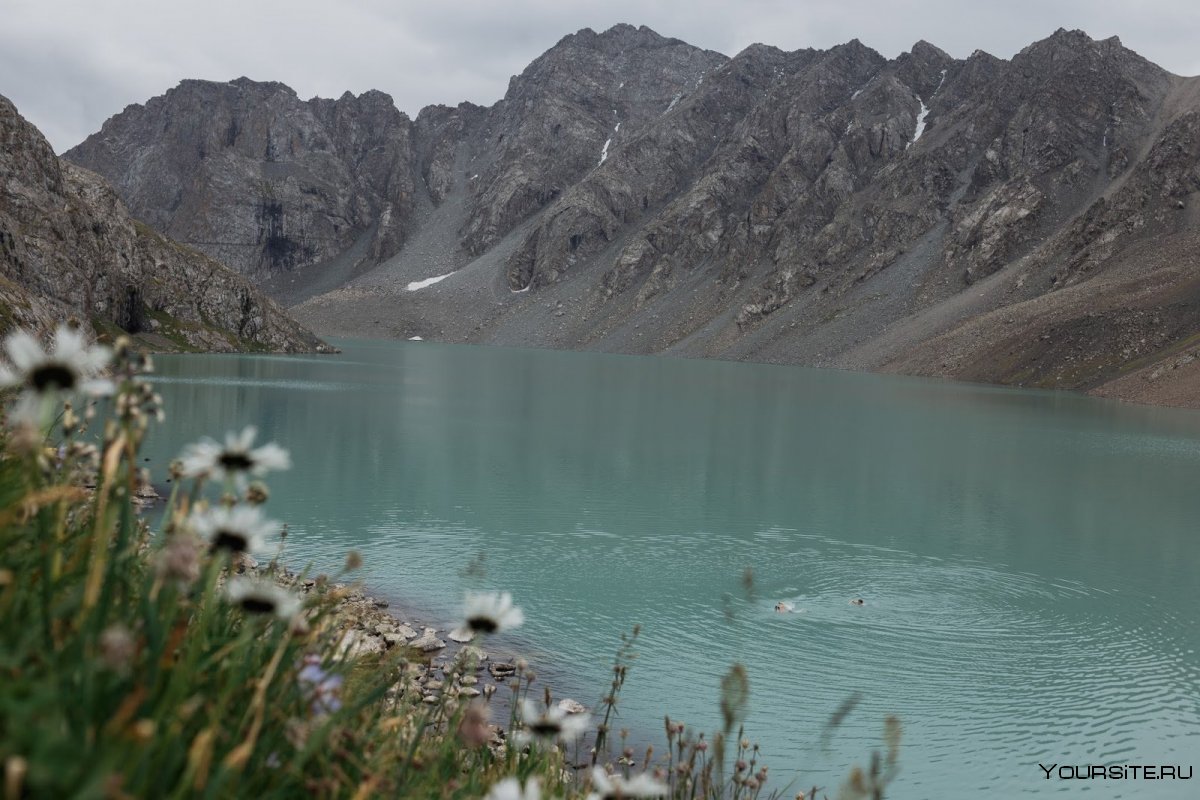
[{"x": 141, "y": 662}]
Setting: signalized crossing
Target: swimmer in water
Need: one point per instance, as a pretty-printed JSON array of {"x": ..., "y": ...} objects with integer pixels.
[
  {"x": 784, "y": 607},
  {"x": 858, "y": 601}
]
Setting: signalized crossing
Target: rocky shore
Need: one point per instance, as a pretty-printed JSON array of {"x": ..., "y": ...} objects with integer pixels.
[{"x": 442, "y": 664}]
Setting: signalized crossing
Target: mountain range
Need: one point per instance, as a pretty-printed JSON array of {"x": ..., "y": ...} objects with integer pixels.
[{"x": 1031, "y": 221}]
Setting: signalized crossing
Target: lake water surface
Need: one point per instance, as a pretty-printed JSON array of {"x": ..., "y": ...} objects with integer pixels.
[{"x": 1029, "y": 560}]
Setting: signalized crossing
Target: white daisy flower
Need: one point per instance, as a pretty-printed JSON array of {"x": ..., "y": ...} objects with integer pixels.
[
  {"x": 553, "y": 724},
  {"x": 241, "y": 529},
  {"x": 262, "y": 597},
  {"x": 235, "y": 459},
  {"x": 490, "y": 612},
  {"x": 71, "y": 366},
  {"x": 613, "y": 787},
  {"x": 510, "y": 789}
]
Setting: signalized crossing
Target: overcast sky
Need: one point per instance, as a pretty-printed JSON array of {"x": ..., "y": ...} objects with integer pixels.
[{"x": 70, "y": 64}]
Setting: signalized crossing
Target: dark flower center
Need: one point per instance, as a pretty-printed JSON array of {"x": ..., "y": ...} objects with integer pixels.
[
  {"x": 234, "y": 461},
  {"x": 545, "y": 727},
  {"x": 52, "y": 376},
  {"x": 233, "y": 541},
  {"x": 483, "y": 624},
  {"x": 258, "y": 605}
]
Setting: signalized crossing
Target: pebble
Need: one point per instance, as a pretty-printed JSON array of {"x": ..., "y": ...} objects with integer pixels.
[
  {"x": 460, "y": 635},
  {"x": 570, "y": 706},
  {"x": 428, "y": 642},
  {"x": 479, "y": 655}
]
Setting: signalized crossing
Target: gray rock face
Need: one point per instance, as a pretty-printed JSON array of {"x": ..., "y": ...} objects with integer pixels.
[
  {"x": 975, "y": 218},
  {"x": 564, "y": 115},
  {"x": 258, "y": 179},
  {"x": 68, "y": 247}
]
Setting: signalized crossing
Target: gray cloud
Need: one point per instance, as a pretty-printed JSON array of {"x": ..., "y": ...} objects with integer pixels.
[{"x": 70, "y": 64}]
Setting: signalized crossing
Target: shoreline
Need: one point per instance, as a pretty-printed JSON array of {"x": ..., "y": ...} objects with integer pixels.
[
  {"x": 1141, "y": 386},
  {"x": 370, "y": 624}
]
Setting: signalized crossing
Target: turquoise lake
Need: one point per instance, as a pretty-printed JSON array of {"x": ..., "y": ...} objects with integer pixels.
[{"x": 1029, "y": 560}]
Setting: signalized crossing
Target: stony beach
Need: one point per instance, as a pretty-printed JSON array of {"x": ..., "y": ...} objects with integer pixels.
[{"x": 442, "y": 664}]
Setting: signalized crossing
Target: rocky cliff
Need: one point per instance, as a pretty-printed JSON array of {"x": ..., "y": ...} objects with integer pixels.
[
  {"x": 69, "y": 248},
  {"x": 251, "y": 175},
  {"x": 1028, "y": 221}
]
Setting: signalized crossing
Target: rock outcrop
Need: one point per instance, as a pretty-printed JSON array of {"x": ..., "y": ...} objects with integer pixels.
[
  {"x": 258, "y": 179},
  {"x": 1028, "y": 221},
  {"x": 69, "y": 248}
]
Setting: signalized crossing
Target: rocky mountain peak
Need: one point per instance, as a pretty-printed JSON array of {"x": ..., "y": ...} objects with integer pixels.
[
  {"x": 313, "y": 178},
  {"x": 854, "y": 51},
  {"x": 567, "y": 111},
  {"x": 370, "y": 98},
  {"x": 925, "y": 51},
  {"x": 759, "y": 52},
  {"x": 68, "y": 247},
  {"x": 248, "y": 84},
  {"x": 1076, "y": 50},
  {"x": 621, "y": 36},
  {"x": 924, "y": 69},
  {"x": 606, "y": 62}
]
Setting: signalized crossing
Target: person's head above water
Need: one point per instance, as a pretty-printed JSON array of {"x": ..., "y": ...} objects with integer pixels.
[{"x": 858, "y": 601}]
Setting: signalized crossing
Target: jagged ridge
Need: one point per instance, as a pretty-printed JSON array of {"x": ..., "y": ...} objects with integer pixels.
[{"x": 975, "y": 217}]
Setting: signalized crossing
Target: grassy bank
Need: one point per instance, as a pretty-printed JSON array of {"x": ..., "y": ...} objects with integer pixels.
[{"x": 140, "y": 662}]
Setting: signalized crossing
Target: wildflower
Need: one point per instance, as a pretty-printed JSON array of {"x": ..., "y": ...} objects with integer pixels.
[
  {"x": 491, "y": 612},
  {"x": 296, "y": 732},
  {"x": 235, "y": 459},
  {"x": 551, "y": 724},
  {"x": 117, "y": 648},
  {"x": 325, "y": 689},
  {"x": 144, "y": 729},
  {"x": 139, "y": 403},
  {"x": 611, "y": 787},
  {"x": 71, "y": 366},
  {"x": 510, "y": 789},
  {"x": 257, "y": 493},
  {"x": 70, "y": 420},
  {"x": 262, "y": 597},
  {"x": 240, "y": 529},
  {"x": 473, "y": 728},
  {"x": 25, "y": 421},
  {"x": 179, "y": 559}
]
